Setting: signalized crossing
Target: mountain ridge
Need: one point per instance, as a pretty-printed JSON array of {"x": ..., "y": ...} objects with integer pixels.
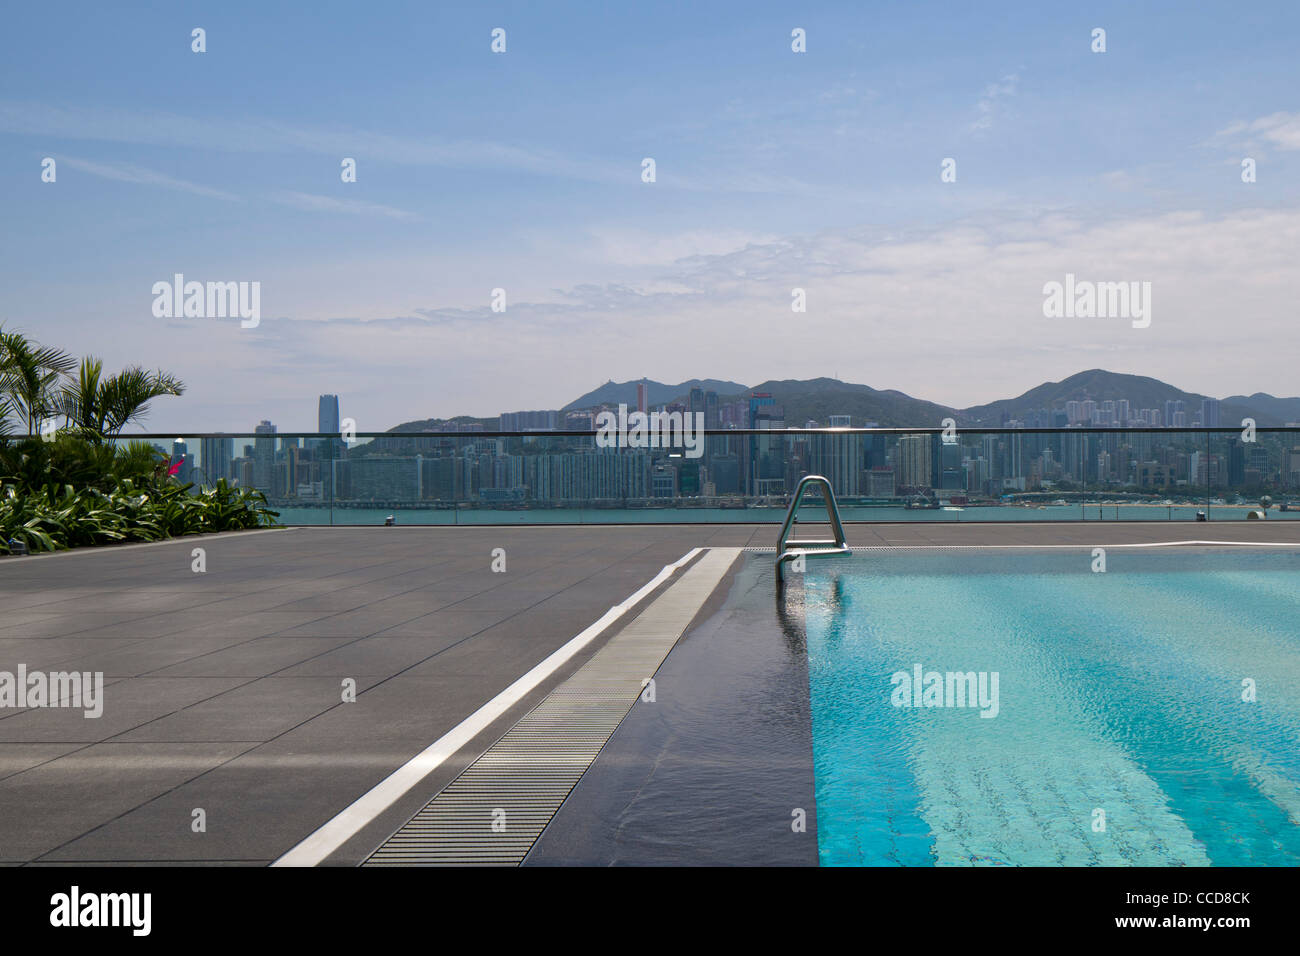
[
  {"x": 658, "y": 393},
  {"x": 817, "y": 399}
]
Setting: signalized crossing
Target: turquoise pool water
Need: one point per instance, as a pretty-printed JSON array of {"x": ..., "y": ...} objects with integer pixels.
[{"x": 1118, "y": 733}]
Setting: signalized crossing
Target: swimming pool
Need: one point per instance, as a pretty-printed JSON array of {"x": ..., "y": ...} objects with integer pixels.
[{"x": 1147, "y": 714}]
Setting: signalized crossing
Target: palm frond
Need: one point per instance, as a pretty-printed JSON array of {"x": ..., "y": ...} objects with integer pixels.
[
  {"x": 124, "y": 397},
  {"x": 29, "y": 376}
]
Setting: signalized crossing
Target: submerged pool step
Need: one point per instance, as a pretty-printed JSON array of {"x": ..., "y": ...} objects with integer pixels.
[{"x": 493, "y": 813}]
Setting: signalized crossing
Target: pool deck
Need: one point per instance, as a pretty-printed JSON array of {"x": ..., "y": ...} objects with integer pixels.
[{"x": 223, "y": 688}]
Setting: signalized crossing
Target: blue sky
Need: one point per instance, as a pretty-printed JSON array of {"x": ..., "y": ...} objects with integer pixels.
[{"x": 522, "y": 170}]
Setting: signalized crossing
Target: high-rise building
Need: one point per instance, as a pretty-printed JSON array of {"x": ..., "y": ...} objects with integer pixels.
[
  {"x": 663, "y": 481},
  {"x": 952, "y": 476},
  {"x": 758, "y": 400},
  {"x": 913, "y": 462},
  {"x": 839, "y": 459},
  {"x": 991, "y": 452},
  {"x": 764, "y": 456},
  {"x": 180, "y": 452},
  {"x": 1291, "y": 468},
  {"x": 642, "y": 397},
  {"x": 695, "y": 400},
  {"x": 539, "y": 421},
  {"x": 880, "y": 482},
  {"x": 215, "y": 458},
  {"x": 1236, "y": 463},
  {"x": 724, "y": 471},
  {"x": 327, "y": 418},
  {"x": 327, "y": 450},
  {"x": 711, "y": 413},
  {"x": 1210, "y": 412},
  {"x": 264, "y": 457},
  {"x": 1013, "y": 459}
]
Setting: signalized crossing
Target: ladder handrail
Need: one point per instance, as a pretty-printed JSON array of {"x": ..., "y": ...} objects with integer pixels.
[{"x": 838, "y": 545}]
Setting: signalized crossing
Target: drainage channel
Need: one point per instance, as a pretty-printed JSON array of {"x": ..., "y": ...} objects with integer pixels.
[{"x": 493, "y": 813}]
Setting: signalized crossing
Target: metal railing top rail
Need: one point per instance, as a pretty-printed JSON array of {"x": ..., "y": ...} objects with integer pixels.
[{"x": 712, "y": 432}]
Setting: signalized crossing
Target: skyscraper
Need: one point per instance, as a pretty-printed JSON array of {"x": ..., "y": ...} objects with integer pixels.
[
  {"x": 215, "y": 457},
  {"x": 695, "y": 400},
  {"x": 180, "y": 452},
  {"x": 913, "y": 460},
  {"x": 1210, "y": 412},
  {"x": 264, "y": 457},
  {"x": 328, "y": 450},
  {"x": 711, "y": 419},
  {"x": 327, "y": 419},
  {"x": 839, "y": 459}
]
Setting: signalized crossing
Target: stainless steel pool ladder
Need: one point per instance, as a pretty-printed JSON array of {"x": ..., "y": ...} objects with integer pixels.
[{"x": 787, "y": 550}]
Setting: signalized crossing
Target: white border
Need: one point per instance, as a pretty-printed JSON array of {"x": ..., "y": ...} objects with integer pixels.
[{"x": 317, "y": 847}]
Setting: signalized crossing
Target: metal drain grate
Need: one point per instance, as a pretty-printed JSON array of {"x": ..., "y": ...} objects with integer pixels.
[{"x": 520, "y": 782}]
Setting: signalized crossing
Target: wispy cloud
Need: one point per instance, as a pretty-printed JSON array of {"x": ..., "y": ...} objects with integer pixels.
[
  {"x": 986, "y": 108},
  {"x": 126, "y": 173},
  {"x": 1281, "y": 130},
  {"x": 268, "y": 136},
  {"x": 311, "y": 202}
]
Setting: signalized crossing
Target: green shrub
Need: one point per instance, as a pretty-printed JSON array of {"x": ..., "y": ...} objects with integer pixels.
[
  {"x": 79, "y": 487},
  {"x": 70, "y": 493}
]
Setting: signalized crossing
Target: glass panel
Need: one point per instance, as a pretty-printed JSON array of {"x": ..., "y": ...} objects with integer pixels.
[{"x": 1008, "y": 474}]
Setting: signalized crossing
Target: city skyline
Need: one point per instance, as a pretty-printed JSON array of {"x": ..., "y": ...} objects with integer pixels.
[
  {"x": 1100, "y": 412},
  {"x": 777, "y": 171},
  {"x": 545, "y": 468}
]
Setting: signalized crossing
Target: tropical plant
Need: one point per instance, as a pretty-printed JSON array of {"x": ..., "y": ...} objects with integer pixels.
[
  {"x": 78, "y": 486},
  {"x": 30, "y": 379},
  {"x": 67, "y": 459},
  {"x": 37, "y": 383},
  {"x": 99, "y": 407},
  {"x": 56, "y": 517}
]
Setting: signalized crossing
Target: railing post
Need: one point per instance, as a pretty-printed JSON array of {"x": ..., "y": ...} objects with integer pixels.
[{"x": 838, "y": 545}]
